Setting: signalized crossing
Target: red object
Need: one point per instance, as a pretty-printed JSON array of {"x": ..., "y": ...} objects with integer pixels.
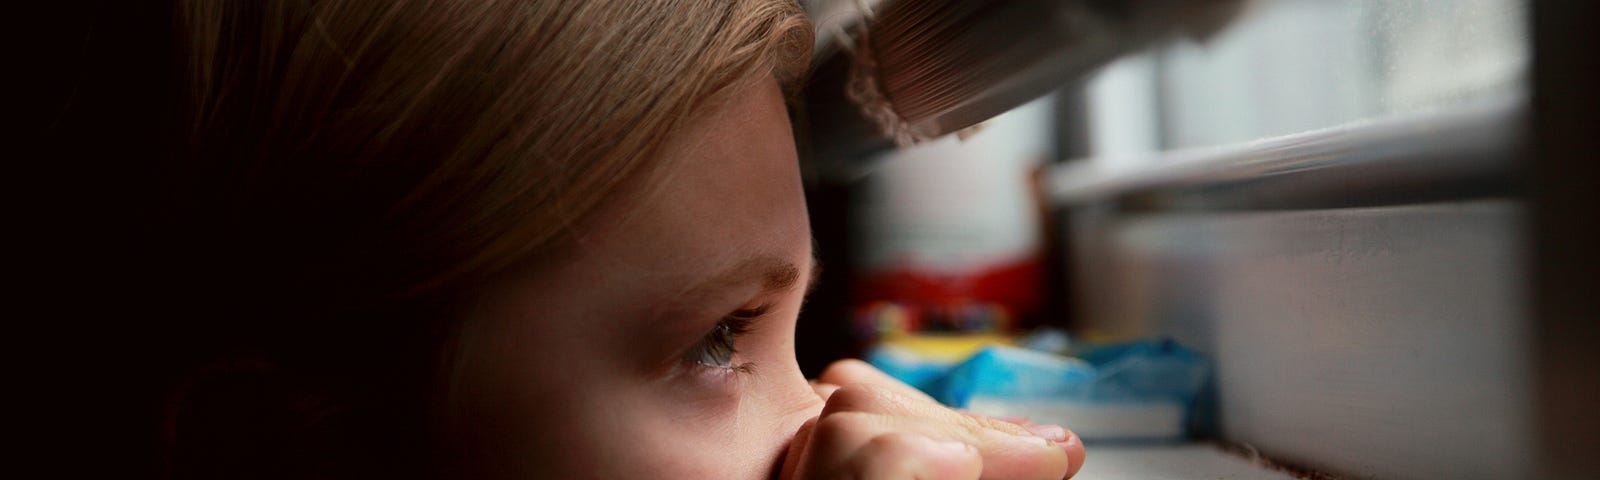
[{"x": 1012, "y": 286}]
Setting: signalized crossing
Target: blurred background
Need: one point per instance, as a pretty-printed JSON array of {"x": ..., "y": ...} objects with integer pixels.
[
  {"x": 1218, "y": 238},
  {"x": 1350, "y": 238}
]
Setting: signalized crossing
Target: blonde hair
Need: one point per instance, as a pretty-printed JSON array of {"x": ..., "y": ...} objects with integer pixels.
[
  {"x": 462, "y": 137},
  {"x": 337, "y": 157}
]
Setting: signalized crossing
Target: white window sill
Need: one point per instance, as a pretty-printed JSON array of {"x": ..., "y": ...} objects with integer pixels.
[{"x": 1175, "y": 462}]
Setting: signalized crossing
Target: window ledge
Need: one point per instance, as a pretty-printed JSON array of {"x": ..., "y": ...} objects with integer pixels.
[
  {"x": 1175, "y": 462},
  {"x": 1464, "y": 152}
]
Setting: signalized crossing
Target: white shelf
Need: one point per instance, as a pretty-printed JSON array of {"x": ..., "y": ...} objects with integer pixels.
[{"x": 1175, "y": 462}]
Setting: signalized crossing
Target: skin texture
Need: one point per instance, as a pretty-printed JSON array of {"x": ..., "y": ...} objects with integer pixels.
[{"x": 578, "y": 369}]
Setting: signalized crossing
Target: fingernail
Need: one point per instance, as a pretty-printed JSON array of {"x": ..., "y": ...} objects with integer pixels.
[
  {"x": 1052, "y": 432},
  {"x": 1075, "y": 454}
]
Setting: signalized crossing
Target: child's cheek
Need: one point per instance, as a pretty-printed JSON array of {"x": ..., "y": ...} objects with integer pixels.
[{"x": 702, "y": 396}]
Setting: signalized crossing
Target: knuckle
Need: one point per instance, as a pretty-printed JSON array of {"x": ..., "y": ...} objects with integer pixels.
[
  {"x": 890, "y": 455},
  {"x": 842, "y": 429},
  {"x": 843, "y": 371},
  {"x": 857, "y": 398},
  {"x": 905, "y": 456}
]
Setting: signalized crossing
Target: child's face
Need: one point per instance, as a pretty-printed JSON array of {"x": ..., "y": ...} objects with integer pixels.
[{"x": 612, "y": 362}]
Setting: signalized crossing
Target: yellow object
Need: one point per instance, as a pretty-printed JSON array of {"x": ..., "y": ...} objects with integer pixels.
[{"x": 946, "y": 347}]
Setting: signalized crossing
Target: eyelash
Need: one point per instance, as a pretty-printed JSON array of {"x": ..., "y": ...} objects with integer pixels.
[{"x": 717, "y": 348}]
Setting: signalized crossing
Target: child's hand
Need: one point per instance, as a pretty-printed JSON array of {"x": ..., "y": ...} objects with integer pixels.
[{"x": 875, "y": 427}]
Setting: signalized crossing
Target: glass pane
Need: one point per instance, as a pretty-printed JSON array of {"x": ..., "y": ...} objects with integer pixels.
[{"x": 1288, "y": 66}]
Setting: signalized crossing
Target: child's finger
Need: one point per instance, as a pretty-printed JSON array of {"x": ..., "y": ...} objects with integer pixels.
[
  {"x": 868, "y": 390},
  {"x": 1023, "y": 421},
  {"x": 1075, "y": 453},
  {"x": 823, "y": 390},
  {"x": 1069, "y": 441},
  {"x": 851, "y": 371},
  {"x": 842, "y": 443},
  {"x": 797, "y": 449},
  {"x": 913, "y": 457},
  {"x": 858, "y": 412}
]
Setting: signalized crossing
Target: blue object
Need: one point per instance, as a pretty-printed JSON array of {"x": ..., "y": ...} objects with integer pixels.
[
  {"x": 909, "y": 367},
  {"x": 1139, "y": 390},
  {"x": 1135, "y": 371},
  {"x": 1009, "y": 372},
  {"x": 1147, "y": 369}
]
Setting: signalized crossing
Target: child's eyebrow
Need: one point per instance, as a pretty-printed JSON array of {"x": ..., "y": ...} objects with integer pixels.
[{"x": 773, "y": 273}]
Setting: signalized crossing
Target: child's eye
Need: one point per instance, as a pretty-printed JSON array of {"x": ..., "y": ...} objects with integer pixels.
[{"x": 719, "y": 345}]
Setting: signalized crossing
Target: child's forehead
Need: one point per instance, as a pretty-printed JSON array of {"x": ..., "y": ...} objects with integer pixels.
[{"x": 729, "y": 190}]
